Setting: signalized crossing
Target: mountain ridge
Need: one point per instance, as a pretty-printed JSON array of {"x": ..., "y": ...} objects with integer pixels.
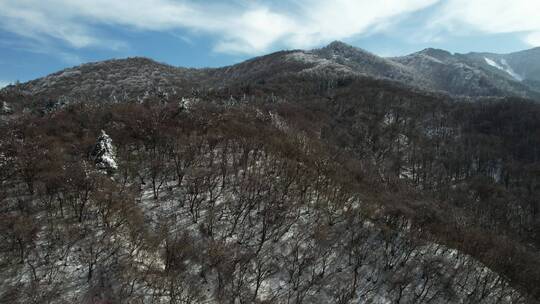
[{"x": 472, "y": 74}]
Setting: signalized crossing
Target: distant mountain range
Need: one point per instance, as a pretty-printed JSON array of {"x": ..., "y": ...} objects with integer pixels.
[{"x": 474, "y": 74}]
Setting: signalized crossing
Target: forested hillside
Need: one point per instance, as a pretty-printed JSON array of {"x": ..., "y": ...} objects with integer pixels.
[{"x": 306, "y": 184}]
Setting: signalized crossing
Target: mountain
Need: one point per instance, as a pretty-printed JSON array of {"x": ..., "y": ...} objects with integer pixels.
[
  {"x": 112, "y": 80},
  {"x": 523, "y": 66},
  {"x": 366, "y": 63},
  {"x": 473, "y": 75},
  {"x": 322, "y": 176},
  {"x": 460, "y": 75}
]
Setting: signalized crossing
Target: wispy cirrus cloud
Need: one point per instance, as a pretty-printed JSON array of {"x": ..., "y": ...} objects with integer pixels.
[
  {"x": 238, "y": 26},
  {"x": 491, "y": 17},
  {"x": 253, "y": 27}
]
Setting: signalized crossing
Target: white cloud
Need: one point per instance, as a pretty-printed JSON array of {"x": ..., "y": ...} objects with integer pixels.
[
  {"x": 254, "y": 31},
  {"x": 340, "y": 19},
  {"x": 533, "y": 39},
  {"x": 239, "y": 26},
  {"x": 4, "y": 83},
  {"x": 492, "y": 17},
  {"x": 255, "y": 26}
]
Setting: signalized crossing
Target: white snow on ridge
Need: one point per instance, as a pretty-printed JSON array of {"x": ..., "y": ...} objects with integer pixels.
[
  {"x": 504, "y": 66},
  {"x": 493, "y": 63},
  {"x": 511, "y": 71}
]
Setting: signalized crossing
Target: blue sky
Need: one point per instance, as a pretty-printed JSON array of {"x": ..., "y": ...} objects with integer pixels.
[{"x": 38, "y": 37}]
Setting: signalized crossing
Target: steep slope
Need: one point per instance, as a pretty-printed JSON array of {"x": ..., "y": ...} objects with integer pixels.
[{"x": 238, "y": 204}]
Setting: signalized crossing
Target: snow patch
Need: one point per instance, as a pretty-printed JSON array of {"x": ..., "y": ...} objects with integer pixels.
[{"x": 504, "y": 66}]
